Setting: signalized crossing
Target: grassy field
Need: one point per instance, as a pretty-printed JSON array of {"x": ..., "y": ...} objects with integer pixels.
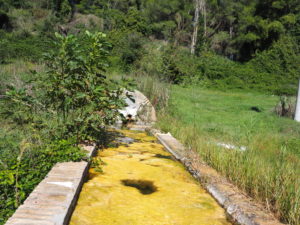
[
  {"x": 270, "y": 168},
  {"x": 16, "y": 72}
]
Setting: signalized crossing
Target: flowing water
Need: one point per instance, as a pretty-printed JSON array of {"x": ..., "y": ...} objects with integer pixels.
[{"x": 141, "y": 184}]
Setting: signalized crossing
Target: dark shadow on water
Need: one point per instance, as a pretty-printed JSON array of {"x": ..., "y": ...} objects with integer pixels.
[
  {"x": 125, "y": 140},
  {"x": 114, "y": 139},
  {"x": 146, "y": 187},
  {"x": 163, "y": 156}
]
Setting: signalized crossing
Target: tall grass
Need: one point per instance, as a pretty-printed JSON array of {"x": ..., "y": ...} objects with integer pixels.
[
  {"x": 147, "y": 74},
  {"x": 16, "y": 73},
  {"x": 269, "y": 170},
  {"x": 155, "y": 90}
]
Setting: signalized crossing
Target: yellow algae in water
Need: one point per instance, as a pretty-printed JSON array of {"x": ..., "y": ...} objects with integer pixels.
[{"x": 142, "y": 185}]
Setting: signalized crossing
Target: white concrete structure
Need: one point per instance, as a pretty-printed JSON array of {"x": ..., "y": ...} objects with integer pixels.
[{"x": 140, "y": 109}]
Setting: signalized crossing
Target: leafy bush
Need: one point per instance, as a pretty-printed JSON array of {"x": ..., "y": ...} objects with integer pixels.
[
  {"x": 151, "y": 62},
  {"x": 171, "y": 71},
  {"x": 86, "y": 100},
  {"x": 163, "y": 30},
  {"x": 273, "y": 71},
  {"x": 127, "y": 47},
  {"x": 281, "y": 63},
  {"x": 132, "y": 50},
  {"x": 22, "y": 46},
  {"x": 21, "y": 172},
  {"x": 71, "y": 102}
]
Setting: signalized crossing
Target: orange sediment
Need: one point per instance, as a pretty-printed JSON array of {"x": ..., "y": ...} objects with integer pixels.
[{"x": 141, "y": 184}]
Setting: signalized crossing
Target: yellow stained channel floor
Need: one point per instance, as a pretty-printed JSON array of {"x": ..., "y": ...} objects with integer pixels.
[{"x": 142, "y": 185}]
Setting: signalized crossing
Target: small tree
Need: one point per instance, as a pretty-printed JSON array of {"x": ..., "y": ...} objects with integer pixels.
[
  {"x": 76, "y": 87},
  {"x": 74, "y": 90}
]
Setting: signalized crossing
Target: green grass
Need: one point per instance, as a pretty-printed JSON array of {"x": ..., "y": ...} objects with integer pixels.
[
  {"x": 228, "y": 115},
  {"x": 16, "y": 72},
  {"x": 269, "y": 170}
]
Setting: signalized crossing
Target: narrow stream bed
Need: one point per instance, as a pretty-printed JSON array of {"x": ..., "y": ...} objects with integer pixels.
[{"x": 141, "y": 184}]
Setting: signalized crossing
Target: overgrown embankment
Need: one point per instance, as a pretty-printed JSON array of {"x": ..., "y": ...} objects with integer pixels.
[
  {"x": 237, "y": 109},
  {"x": 202, "y": 117},
  {"x": 268, "y": 170},
  {"x": 47, "y": 112}
]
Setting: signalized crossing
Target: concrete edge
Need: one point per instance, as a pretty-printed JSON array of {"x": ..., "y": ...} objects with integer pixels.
[
  {"x": 241, "y": 208},
  {"x": 53, "y": 200},
  {"x": 91, "y": 152}
]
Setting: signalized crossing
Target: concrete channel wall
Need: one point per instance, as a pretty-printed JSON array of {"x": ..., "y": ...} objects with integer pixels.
[
  {"x": 241, "y": 208},
  {"x": 53, "y": 200}
]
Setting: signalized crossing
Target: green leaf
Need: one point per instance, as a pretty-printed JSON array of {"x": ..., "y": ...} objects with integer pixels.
[{"x": 80, "y": 95}]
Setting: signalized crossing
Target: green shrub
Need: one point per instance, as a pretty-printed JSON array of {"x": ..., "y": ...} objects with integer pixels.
[
  {"x": 210, "y": 70},
  {"x": 163, "y": 30},
  {"x": 26, "y": 165},
  {"x": 128, "y": 47},
  {"x": 151, "y": 62},
  {"x": 22, "y": 46},
  {"x": 86, "y": 101},
  {"x": 47, "y": 117},
  {"x": 281, "y": 64}
]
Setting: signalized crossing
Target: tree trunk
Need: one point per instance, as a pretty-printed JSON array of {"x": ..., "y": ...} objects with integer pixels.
[
  {"x": 195, "y": 24},
  {"x": 199, "y": 6}
]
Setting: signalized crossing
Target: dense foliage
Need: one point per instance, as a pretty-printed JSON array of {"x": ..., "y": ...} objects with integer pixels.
[
  {"x": 25, "y": 164},
  {"x": 272, "y": 71},
  {"x": 262, "y": 34},
  {"x": 76, "y": 88},
  {"x": 43, "y": 121}
]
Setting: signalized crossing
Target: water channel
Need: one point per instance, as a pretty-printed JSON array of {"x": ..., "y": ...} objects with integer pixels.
[{"x": 141, "y": 184}]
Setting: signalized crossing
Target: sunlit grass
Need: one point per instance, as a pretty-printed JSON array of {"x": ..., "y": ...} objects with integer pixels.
[
  {"x": 16, "y": 72},
  {"x": 270, "y": 168}
]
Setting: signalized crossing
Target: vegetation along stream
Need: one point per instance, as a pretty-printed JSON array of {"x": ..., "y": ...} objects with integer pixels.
[{"x": 140, "y": 183}]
